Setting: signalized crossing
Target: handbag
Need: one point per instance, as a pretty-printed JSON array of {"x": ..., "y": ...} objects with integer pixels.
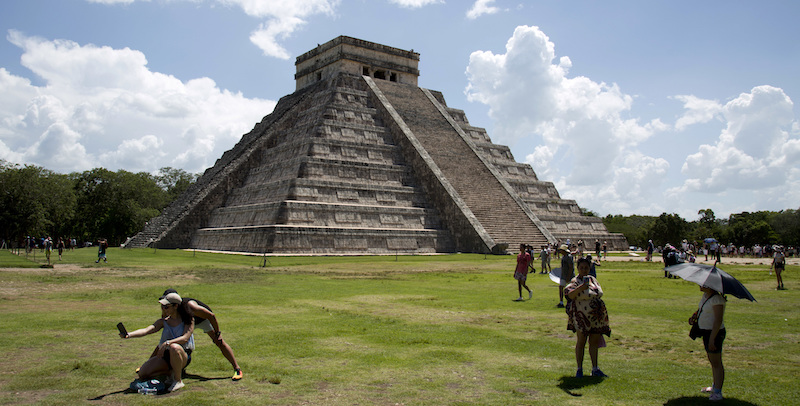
[{"x": 695, "y": 331}]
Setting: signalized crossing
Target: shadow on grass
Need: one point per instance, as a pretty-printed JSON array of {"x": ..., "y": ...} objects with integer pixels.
[
  {"x": 702, "y": 400},
  {"x": 569, "y": 383},
  {"x": 199, "y": 378}
]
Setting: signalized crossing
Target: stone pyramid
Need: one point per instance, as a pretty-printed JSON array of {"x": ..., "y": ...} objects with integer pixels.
[{"x": 359, "y": 159}]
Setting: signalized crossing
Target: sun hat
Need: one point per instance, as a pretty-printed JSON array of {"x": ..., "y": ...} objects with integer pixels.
[
  {"x": 172, "y": 298},
  {"x": 564, "y": 248}
]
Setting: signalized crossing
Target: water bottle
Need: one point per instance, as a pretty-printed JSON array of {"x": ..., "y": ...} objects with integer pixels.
[{"x": 148, "y": 391}]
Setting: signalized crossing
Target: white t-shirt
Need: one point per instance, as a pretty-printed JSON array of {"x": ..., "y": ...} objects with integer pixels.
[{"x": 706, "y": 320}]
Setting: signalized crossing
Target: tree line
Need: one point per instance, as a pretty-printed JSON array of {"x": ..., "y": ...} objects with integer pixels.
[
  {"x": 99, "y": 203},
  {"x": 86, "y": 206},
  {"x": 741, "y": 229}
]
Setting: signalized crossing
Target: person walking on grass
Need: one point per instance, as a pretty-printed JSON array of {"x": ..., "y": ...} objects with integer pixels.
[
  {"x": 567, "y": 272},
  {"x": 521, "y": 272},
  {"x": 587, "y": 316},
  {"x": 545, "y": 257},
  {"x": 174, "y": 351},
  {"x": 779, "y": 263},
  {"x": 205, "y": 319},
  {"x": 710, "y": 321},
  {"x": 102, "y": 246}
]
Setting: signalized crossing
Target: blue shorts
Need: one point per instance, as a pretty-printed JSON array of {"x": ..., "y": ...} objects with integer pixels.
[{"x": 165, "y": 357}]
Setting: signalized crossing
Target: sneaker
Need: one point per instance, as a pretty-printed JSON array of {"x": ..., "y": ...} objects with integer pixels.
[
  {"x": 519, "y": 299},
  {"x": 707, "y": 389},
  {"x": 530, "y": 294},
  {"x": 579, "y": 373},
  {"x": 598, "y": 373},
  {"x": 560, "y": 304},
  {"x": 175, "y": 386},
  {"x": 237, "y": 374},
  {"x": 717, "y": 396}
]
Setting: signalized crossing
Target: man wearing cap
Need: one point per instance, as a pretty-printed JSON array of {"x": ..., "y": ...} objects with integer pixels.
[
  {"x": 567, "y": 272},
  {"x": 205, "y": 319}
]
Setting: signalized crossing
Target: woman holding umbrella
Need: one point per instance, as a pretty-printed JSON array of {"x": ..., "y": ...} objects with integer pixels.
[
  {"x": 714, "y": 283},
  {"x": 709, "y": 319}
]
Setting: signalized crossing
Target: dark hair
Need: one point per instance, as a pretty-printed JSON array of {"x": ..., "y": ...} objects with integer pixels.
[{"x": 584, "y": 261}]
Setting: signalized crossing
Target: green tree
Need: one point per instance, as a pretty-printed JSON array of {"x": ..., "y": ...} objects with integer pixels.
[
  {"x": 668, "y": 228},
  {"x": 116, "y": 205},
  {"x": 34, "y": 201}
]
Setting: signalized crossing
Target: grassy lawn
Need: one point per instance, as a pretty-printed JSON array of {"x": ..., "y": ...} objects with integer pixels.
[{"x": 429, "y": 330}]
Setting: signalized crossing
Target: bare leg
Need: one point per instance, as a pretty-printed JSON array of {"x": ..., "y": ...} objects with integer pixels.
[
  {"x": 594, "y": 342},
  {"x": 178, "y": 358},
  {"x": 580, "y": 346},
  {"x": 226, "y": 349},
  {"x": 717, "y": 369},
  {"x": 154, "y": 366}
]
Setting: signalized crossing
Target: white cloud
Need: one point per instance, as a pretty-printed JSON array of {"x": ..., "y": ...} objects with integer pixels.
[
  {"x": 584, "y": 142},
  {"x": 698, "y": 111},
  {"x": 283, "y": 18},
  {"x": 100, "y": 106},
  {"x": 480, "y": 8},
  {"x": 415, "y": 3},
  {"x": 755, "y": 151}
]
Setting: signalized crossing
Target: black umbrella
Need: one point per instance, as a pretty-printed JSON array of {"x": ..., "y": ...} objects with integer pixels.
[{"x": 711, "y": 277}]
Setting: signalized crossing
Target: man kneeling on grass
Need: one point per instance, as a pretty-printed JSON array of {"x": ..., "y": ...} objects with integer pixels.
[
  {"x": 174, "y": 351},
  {"x": 205, "y": 319}
]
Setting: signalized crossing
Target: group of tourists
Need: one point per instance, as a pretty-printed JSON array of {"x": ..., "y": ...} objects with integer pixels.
[
  {"x": 586, "y": 311},
  {"x": 179, "y": 318},
  {"x": 587, "y": 315}
]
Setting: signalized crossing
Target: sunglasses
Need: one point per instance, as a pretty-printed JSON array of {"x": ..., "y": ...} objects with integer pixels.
[{"x": 167, "y": 306}]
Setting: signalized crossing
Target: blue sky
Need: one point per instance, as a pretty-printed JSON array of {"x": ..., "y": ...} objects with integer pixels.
[{"x": 629, "y": 107}]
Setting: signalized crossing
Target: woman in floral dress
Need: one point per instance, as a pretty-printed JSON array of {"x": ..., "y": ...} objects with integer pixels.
[{"x": 588, "y": 316}]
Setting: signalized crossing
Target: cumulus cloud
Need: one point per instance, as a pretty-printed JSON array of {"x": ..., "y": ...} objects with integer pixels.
[
  {"x": 757, "y": 150},
  {"x": 584, "y": 141},
  {"x": 100, "y": 106},
  {"x": 480, "y": 8}
]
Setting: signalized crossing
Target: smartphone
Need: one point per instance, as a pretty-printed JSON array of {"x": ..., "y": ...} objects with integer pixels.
[{"x": 122, "y": 330}]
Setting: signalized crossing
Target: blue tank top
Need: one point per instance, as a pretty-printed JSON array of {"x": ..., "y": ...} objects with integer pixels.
[{"x": 171, "y": 333}]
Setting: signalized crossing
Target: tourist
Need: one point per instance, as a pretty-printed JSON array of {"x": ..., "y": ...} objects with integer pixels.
[
  {"x": 567, "y": 272},
  {"x": 779, "y": 263},
  {"x": 545, "y": 257},
  {"x": 174, "y": 351},
  {"x": 102, "y": 246},
  {"x": 206, "y": 320},
  {"x": 593, "y": 264},
  {"x": 597, "y": 248},
  {"x": 650, "y": 248},
  {"x": 60, "y": 247},
  {"x": 605, "y": 249},
  {"x": 588, "y": 316},
  {"x": 709, "y": 319},
  {"x": 521, "y": 272}
]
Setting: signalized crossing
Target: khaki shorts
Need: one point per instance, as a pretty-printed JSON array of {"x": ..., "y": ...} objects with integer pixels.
[{"x": 206, "y": 326}]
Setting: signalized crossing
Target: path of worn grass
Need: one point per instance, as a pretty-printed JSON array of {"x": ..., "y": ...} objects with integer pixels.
[{"x": 375, "y": 330}]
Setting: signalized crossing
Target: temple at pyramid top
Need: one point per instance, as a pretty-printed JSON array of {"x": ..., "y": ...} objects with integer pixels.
[
  {"x": 356, "y": 57},
  {"x": 361, "y": 160}
]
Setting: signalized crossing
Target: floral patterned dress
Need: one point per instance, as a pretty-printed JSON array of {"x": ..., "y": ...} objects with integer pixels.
[{"x": 587, "y": 313}]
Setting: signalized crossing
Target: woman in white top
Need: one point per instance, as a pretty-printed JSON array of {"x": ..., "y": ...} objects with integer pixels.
[
  {"x": 710, "y": 314},
  {"x": 174, "y": 350}
]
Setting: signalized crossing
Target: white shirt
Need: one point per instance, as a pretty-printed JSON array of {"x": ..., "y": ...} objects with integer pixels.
[{"x": 706, "y": 320}]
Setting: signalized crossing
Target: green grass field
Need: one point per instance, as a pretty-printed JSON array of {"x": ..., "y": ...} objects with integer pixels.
[{"x": 408, "y": 330}]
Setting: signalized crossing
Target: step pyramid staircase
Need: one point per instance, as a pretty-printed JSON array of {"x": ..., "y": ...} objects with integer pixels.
[{"x": 360, "y": 160}]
